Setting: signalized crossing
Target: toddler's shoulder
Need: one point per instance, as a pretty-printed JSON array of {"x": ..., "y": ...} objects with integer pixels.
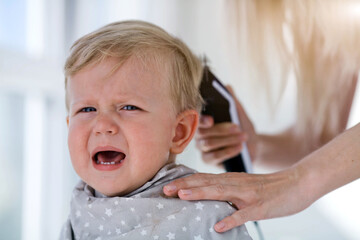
[{"x": 199, "y": 218}]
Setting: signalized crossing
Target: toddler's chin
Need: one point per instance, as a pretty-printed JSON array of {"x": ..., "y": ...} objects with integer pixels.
[
  {"x": 113, "y": 189},
  {"x": 108, "y": 192}
]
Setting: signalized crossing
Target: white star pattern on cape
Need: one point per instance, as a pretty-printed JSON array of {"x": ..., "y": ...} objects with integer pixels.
[
  {"x": 199, "y": 206},
  {"x": 108, "y": 212},
  {"x": 170, "y": 236},
  {"x": 101, "y": 228},
  {"x": 160, "y": 206},
  {"x": 198, "y": 237},
  {"x": 171, "y": 217}
]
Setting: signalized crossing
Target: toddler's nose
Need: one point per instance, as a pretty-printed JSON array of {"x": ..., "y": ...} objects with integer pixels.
[{"x": 105, "y": 124}]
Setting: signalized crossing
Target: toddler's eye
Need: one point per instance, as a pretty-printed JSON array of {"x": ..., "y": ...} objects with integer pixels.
[
  {"x": 130, "y": 108},
  {"x": 88, "y": 109}
]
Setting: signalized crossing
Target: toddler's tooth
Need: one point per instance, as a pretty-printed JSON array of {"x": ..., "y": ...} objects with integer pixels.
[{"x": 106, "y": 163}]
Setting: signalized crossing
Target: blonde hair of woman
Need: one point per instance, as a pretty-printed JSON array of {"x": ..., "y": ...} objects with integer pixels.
[{"x": 318, "y": 42}]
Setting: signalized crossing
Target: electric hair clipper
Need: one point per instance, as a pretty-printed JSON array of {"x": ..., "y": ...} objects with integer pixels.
[{"x": 220, "y": 104}]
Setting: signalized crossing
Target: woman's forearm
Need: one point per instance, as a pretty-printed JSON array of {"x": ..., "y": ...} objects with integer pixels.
[
  {"x": 332, "y": 166},
  {"x": 284, "y": 149},
  {"x": 281, "y": 150}
]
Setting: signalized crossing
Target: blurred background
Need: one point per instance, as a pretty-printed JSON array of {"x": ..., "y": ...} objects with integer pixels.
[{"x": 36, "y": 176}]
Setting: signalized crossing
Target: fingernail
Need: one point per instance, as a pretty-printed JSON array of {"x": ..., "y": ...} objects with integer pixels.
[
  {"x": 185, "y": 192},
  {"x": 219, "y": 226},
  {"x": 202, "y": 143},
  {"x": 170, "y": 188},
  {"x": 205, "y": 120}
]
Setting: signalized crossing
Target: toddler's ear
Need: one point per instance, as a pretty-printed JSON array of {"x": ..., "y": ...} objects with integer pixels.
[{"x": 187, "y": 123}]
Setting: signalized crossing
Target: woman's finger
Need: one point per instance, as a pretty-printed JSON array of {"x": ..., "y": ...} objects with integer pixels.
[
  {"x": 218, "y": 156},
  {"x": 220, "y": 129},
  {"x": 206, "y": 121},
  {"x": 195, "y": 180},
  {"x": 220, "y": 192},
  {"x": 214, "y": 143},
  {"x": 236, "y": 219},
  {"x": 199, "y": 180}
]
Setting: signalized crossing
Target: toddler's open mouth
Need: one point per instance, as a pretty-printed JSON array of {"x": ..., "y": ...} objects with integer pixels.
[{"x": 108, "y": 157}]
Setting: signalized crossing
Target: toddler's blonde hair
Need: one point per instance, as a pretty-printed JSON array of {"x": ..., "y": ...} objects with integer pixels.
[{"x": 150, "y": 44}]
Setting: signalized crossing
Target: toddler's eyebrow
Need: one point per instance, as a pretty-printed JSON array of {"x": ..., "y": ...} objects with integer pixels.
[
  {"x": 134, "y": 96},
  {"x": 78, "y": 102},
  {"x": 137, "y": 99}
]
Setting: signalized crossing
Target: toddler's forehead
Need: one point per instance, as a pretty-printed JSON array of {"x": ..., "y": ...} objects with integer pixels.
[
  {"x": 160, "y": 68},
  {"x": 156, "y": 67}
]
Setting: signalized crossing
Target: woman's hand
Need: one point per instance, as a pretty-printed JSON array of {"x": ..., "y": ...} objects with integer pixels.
[
  {"x": 224, "y": 140},
  {"x": 220, "y": 141},
  {"x": 264, "y": 196},
  {"x": 256, "y": 196}
]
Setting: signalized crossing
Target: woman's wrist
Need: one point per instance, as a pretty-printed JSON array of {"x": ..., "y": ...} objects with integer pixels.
[
  {"x": 296, "y": 189},
  {"x": 307, "y": 183},
  {"x": 314, "y": 176}
]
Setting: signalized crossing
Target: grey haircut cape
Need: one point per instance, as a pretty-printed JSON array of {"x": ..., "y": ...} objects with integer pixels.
[{"x": 146, "y": 213}]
